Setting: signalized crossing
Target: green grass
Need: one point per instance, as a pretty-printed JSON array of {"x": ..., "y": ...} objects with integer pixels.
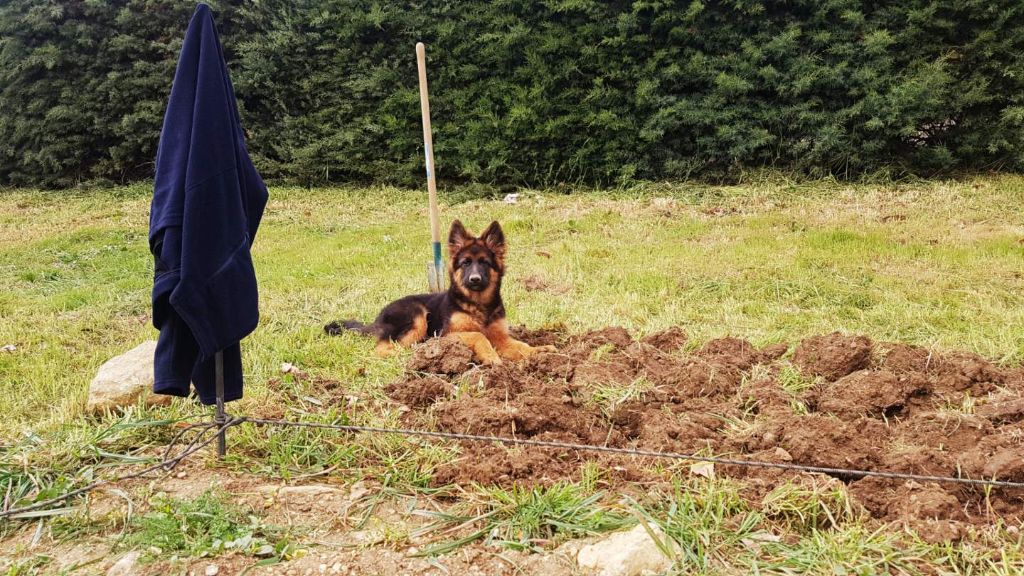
[
  {"x": 528, "y": 518},
  {"x": 939, "y": 264},
  {"x": 706, "y": 527},
  {"x": 207, "y": 525},
  {"x": 935, "y": 263}
]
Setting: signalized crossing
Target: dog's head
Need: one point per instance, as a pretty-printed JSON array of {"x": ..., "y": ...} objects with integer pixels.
[{"x": 476, "y": 264}]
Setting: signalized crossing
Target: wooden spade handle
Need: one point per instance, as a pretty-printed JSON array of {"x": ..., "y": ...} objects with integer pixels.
[{"x": 428, "y": 147}]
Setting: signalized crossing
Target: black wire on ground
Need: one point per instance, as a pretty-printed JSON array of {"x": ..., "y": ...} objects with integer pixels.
[{"x": 201, "y": 441}]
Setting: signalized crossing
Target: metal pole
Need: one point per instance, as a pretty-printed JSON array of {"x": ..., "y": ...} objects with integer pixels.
[{"x": 220, "y": 418}]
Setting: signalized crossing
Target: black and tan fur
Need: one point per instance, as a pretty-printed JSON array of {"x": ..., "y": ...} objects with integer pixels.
[{"x": 471, "y": 309}]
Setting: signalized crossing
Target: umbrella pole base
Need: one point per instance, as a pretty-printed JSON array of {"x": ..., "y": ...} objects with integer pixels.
[{"x": 220, "y": 418}]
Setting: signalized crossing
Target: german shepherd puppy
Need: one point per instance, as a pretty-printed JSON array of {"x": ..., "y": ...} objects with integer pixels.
[{"x": 471, "y": 309}]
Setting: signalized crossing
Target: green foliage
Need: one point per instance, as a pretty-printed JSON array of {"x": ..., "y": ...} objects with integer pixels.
[{"x": 536, "y": 92}]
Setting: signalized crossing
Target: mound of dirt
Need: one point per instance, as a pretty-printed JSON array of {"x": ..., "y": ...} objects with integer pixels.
[
  {"x": 669, "y": 340},
  {"x": 905, "y": 410}
]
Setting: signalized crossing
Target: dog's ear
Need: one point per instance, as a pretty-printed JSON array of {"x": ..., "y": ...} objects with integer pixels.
[
  {"x": 457, "y": 238},
  {"x": 494, "y": 238}
]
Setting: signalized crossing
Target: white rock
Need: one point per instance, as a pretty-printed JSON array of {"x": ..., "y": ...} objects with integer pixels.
[
  {"x": 629, "y": 553},
  {"x": 125, "y": 566},
  {"x": 212, "y": 570},
  {"x": 120, "y": 381}
]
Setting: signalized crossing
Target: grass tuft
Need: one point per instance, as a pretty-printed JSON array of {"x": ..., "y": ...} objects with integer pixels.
[
  {"x": 524, "y": 518},
  {"x": 205, "y": 526}
]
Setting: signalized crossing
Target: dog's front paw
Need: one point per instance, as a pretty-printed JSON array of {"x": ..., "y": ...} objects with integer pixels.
[
  {"x": 492, "y": 359},
  {"x": 520, "y": 350}
]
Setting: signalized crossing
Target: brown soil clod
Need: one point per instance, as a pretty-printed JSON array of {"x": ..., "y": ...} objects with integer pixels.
[
  {"x": 446, "y": 355},
  {"x": 608, "y": 338},
  {"x": 419, "y": 392},
  {"x": 1003, "y": 410},
  {"x": 733, "y": 352},
  {"x": 890, "y": 499},
  {"x": 903, "y": 358},
  {"x": 550, "y": 336},
  {"x": 878, "y": 394},
  {"x": 832, "y": 356},
  {"x": 819, "y": 440},
  {"x": 773, "y": 352},
  {"x": 670, "y": 340}
]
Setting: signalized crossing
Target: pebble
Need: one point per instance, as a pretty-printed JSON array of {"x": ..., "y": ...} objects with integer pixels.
[
  {"x": 781, "y": 454},
  {"x": 322, "y": 568},
  {"x": 180, "y": 475},
  {"x": 212, "y": 570},
  {"x": 336, "y": 568}
]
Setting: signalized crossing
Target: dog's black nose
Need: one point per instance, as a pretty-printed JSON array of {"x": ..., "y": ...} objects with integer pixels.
[{"x": 474, "y": 279}]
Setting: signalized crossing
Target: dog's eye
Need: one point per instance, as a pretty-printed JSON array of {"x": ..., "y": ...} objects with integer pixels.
[
  {"x": 465, "y": 263},
  {"x": 485, "y": 263}
]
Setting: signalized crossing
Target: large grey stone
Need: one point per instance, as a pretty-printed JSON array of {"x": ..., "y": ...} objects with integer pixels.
[
  {"x": 122, "y": 380},
  {"x": 629, "y": 553}
]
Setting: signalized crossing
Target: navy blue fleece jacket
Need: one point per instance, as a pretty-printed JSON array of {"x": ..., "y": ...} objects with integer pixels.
[{"x": 207, "y": 203}]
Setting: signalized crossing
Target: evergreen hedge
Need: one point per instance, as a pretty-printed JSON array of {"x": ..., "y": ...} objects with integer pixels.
[{"x": 528, "y": 91}]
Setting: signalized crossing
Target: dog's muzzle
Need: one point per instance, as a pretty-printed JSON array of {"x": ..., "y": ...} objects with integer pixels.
[{"x": 475, "y": 282}]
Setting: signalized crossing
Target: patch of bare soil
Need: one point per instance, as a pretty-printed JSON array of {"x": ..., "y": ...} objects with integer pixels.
[
  {"x": 340, "y": 530},
  {"x": 890, "y": 407}
]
